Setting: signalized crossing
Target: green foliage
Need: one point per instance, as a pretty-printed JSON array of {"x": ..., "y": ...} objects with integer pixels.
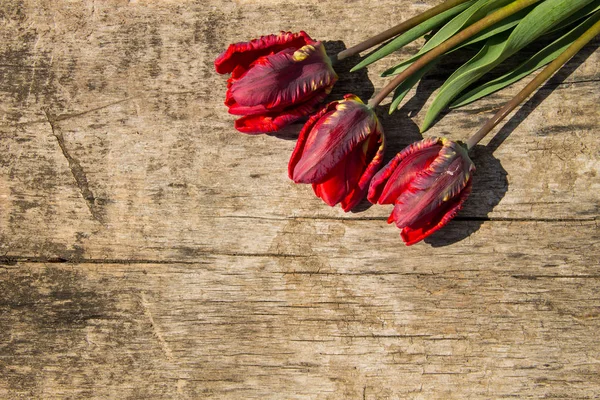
[
  {"x": 559, "y": 21},
  {"x": 502, "y": 26},
  {"x": 410, "y": 35},
  {"x": 403, "y": 89},
  {"x": 538, "y": 60},
  {"x": 472, "y": 14},
  {"x": 498, "y": 48}
]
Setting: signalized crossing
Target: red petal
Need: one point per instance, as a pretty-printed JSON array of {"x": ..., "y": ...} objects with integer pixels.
[
  {"x": 343, "y": 178},
  {"x": 406, "y": 172},
  {"x": 243, "y": 54},
  {"x": 280, "y": 80},
  {"x": 332, "y": 138},
  {"x": 327, "y": 194},
  {"x": 392, "y": 179},
  {"x": 299, "y": 148},
  {"x": 434, "y": 196},
  {"x": 430, "y": 190},
  {"x": 272, "y": 122},
  {"x": 376, "y": 148},
  {"x": 438, "y": 218}
]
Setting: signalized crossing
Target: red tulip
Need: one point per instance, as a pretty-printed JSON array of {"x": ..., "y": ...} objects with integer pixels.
[
  {"x": 427, "y": 182},
  {"x": 275, "y": 80},
  {"x": 339, "y": 150}
]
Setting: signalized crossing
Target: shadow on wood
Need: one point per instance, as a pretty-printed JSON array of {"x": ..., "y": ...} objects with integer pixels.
[
  {"x": 357, "y": 83},
  {"x": 541, "y": 94}
]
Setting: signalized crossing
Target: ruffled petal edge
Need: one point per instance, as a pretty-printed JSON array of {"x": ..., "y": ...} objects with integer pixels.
[
  {"x": 380, "y": 179},
  {"x": 242, "y": 54},
  {"x": 411, "y": 235},
  {"x": 299, "y": 148},
  {"x": 279, "y": 81},
  {"x": 332, "y": 138},
  {"x": 355, "y": 196}
]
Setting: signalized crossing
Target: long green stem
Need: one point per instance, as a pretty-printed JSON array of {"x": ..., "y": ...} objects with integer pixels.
[
  {"x": 534, "y": 84},
  {"x": 400, "y": 28},
  {"x": 455, "y": 40}
]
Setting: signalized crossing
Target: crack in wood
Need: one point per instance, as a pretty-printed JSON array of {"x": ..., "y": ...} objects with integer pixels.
[
  {"x": 62, "y": 117},
  {"x": 465, "y": 218},
  {"x": 157, "y": 332},
  {"x": 504, "y": 219},
  {"x": 14, "y": 260},
  {"x": 76, "y": 170},
  {"x": 555, "y": 276},
  {"x": 579, "y": 81}
]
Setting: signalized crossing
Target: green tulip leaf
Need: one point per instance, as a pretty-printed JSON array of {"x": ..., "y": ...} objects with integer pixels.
[
  {"x": 502, "y": 26},
  {"x": 403, "y": 89},
  {"x": 583, "y": 13},
  {"x": 482, "y": 62},
  {"x": 538, "y": 60},
  {"x": 472, "y": 14},
  {"x": 498, "y": 48},
  {"x": 411, "y": 35}
]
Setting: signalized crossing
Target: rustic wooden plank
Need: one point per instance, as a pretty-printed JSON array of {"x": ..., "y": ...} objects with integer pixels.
[
  {"x": 514, "y": 322},
  {"x": 303, "y": 237}
]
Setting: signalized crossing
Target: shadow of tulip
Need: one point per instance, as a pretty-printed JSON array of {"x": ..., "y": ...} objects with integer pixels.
[
  {"x": 400, "y": 131},
  {"x": 357, "y": 82},
  {"x": 542, "y": 93},
  {"x": 289, "y": 132}
]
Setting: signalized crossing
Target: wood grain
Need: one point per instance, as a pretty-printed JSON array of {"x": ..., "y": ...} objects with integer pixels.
[{"x": 148, "y": 250}]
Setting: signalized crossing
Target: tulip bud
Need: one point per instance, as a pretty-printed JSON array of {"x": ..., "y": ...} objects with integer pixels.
[
  {"x": 275, "y": 80},
  {"x": 427, "y": 182},
  {"x": 338, "y": 151}
]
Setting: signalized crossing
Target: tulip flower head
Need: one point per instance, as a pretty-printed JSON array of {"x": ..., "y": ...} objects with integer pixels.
[
  {"x": 338, "y": 151},
  {"x": 275, "y": 80},
  {"x": 427, "y": 182}
]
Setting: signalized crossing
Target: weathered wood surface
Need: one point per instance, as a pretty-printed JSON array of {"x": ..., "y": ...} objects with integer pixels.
[{"x": 148, "y": 250}]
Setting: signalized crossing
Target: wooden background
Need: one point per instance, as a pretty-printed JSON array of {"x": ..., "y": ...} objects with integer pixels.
[{"x": 150, "y": 251}]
